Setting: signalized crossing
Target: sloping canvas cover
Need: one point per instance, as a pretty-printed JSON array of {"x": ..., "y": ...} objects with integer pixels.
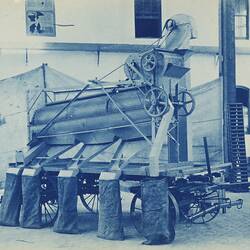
[
  {"x": 14, "y": 133},
  {"x": 207, "y": 121}
]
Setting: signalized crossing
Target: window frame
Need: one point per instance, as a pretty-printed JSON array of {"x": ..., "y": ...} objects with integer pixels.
[
  {"x": 246, "y": 37},
  {"x": 158, "y": 20}
]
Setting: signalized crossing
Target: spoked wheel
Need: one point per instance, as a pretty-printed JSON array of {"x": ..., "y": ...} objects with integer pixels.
[
  {"x": 90, "y": 202},
  {"x": 149, "y": 61},
  {"x": 88, "y": 190},
  {"x": 136, "y": 214},
  {"x": 156, "y": 102},
  {"x": 203, "y": 208},
  {"x": 186, "y": 103},
  {"x": 49, "y": 197}
]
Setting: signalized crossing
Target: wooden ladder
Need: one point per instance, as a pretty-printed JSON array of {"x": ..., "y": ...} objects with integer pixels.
[{"x": 236, "y": 140}]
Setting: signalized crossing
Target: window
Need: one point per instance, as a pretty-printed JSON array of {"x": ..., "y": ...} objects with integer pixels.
[
  {"x": 147, "y": 18},
  {"x": 241, "y": 19}
]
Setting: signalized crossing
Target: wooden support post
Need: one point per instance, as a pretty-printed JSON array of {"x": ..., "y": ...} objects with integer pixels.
[
  {"x": 222, "y": 191},
  {"x": 248, "y": 110},
  {"x": 110, "y": 211},
  {"x": 44, "y": 65},
  {"x": 227, "y": 62},
  {"x": 207, "y": 158}
]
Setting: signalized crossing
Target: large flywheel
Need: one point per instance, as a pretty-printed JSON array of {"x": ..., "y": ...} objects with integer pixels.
[{"x": 156, "y": 102}]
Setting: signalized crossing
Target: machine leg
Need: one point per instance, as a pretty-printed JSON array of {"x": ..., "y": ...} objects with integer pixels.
[
  {"x": 222, "y": 192},
  {"x": 157, "y": 227},
  {"x": 110, "y": 211},
  {"x": 31, "y": 209},
  {"x": 222, "y": 197},
  {"x": 12, "y": 198},
  {"x": 67, "y": 219}
]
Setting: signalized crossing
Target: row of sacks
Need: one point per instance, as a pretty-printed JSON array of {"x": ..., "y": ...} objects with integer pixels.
[{"x": 23, "y": 189}]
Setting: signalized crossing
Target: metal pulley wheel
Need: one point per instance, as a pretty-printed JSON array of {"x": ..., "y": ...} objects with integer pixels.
[
  {"x": 170, "y": 24},
  {"x": 186, "y": 103},
  {"x": 156, "y": 102},
  {"x": 148, "y": 62}
]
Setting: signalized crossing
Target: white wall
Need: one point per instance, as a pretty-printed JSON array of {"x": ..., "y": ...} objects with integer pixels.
[
  {"x": 204, "y": 68},
  {"x": 204, "y": 12},
  {"x": 81, "y": 65},
  {"x": 12, "y": 62},
  {"x": 243, "y": 70},
  {"x": 106, "y": 21},
  {"x": 84, "y": 65}
]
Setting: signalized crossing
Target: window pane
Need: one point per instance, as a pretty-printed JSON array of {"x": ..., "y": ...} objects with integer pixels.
[
  {"x": 241, "y": 19},
  {"x": 148, "y": 18},
  {"x": 147, "y": 28},
  {"x": 241, "y": 7},
  {"x": 240, "y": 26},
  {"x": 148, "y": 7}
]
